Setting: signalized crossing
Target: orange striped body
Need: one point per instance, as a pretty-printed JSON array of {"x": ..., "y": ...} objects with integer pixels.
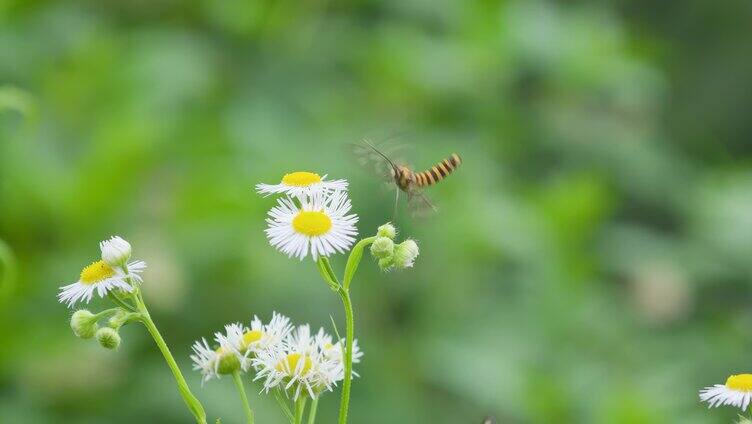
[
  {"x": 437, "y": 172},
  {"x": 405, "y": 177}
]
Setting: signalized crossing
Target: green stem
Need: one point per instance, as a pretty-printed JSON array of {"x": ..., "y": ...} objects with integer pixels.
[
  {"x": 325, "y": 269},
  {"x": 106, "y": 313},
  {"x": 283, "y": 406},
  {"x": 354, "y": 260},
  {"x": 349, "y": 335},
  {"x": 241, "y": 389},
  {"x": 120, "y": 302},
  {"x": 190, "y": 400},
  {"x": 312, "y": 411},
  {"x": 300, "y": 409}
]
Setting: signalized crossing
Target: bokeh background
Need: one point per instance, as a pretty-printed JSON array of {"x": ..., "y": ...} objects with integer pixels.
[{"x": 590, "y": 262}]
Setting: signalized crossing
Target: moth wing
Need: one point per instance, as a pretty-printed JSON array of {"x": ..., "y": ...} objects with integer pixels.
[
  {"x": 419, "y": 204},
  {"x": 370, "y": 161}
]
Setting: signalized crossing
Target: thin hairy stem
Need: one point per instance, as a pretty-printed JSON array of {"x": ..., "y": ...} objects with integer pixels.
[
  {"x": 243, "y": 398},
  {"x": 190, "y": 400}
]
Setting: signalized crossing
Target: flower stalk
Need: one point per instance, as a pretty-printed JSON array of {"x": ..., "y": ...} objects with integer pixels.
[
  {"x": 312, "y": 411},
  {"x": 190, "y": 400},
  {"x": 300, "y": 405},
  {"x": 243, "y": 398},
  {"x": 343, "y": 290}
]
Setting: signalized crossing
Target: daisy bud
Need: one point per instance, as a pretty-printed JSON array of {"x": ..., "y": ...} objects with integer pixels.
[
  {"x": 116, "y": 321},
  {"x": 387, "y": 230},
  {"x": 405, "y": 253},
  {"x": 382, "y": 247},
  {"x": 115, "y": 251},
  {"x": 228, "y": 362},
  {"x": 84, "y": 324},
  {"x": 386, "y": 264},
  {"x": 108, "y": 338}
]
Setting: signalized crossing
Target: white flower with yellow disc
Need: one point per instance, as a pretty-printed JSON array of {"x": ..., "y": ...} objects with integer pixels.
[
  {"x": 296, "y": 366},
  {"x": 302, "y": 183},
  {"x": 225, "y": 359},
  {"x": 334, "y": 354},
  {"x": 265, "y": 336},
  {"x": 736, "y": 392},
  {"x": 319, "y": 223},
  {"x": 100, "y": 277}
]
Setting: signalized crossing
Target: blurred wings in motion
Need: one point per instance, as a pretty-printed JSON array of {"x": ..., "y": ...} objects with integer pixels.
[{"x": 381, "y": 160}]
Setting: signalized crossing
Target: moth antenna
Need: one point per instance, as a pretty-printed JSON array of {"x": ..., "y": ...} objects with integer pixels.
[{"x": 379, "y": 153}]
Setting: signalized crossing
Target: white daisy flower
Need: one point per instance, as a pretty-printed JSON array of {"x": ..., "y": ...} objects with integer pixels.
[
  {"x": 320, "y": 224},
  {"x": 736, "y": 392},
  {"x": 227, "y": 358},
  {"x": 100, "y": 277},
  {"x": 302, "y": 183},
  {"x": 264, "y": 336},
  {"x": 334, "y": 352},
  {"x": 115, "y": 251},
  {"x": 296, "y": 365},
  {"x": 205, "y": 360},
  {"x": 232, "y": 342}
]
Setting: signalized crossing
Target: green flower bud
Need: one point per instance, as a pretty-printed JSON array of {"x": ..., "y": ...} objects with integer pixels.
[
  {"x": 228, "y": 362},
  {"x": 405, "y": 254},
  {"x": 382, "y": 247},
  {"x": 108, "y": 338},
  {"x": 84, "y": 324},
  {"x": 386, "y": 264},
  {"x": 387, "y": 230},
  {"x": 116, "y": 321}
]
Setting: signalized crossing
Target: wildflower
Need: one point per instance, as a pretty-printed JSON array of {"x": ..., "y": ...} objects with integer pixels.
[
  {"x": 264, "y": 336},
  {"x": 205, "y": 360},
  {"x": 298, "y": 365},
  {"x": 102, "y": 278},
  {"x": 320, "y": 224},
  {"x": 84, "y": 324},
  {"x": 231, "y": 345},
  {"x": 302, "y": 183},
  {"x": 115, "y": 251},
  {"x": 736, "y": 392},
  {"x": 335, "y": 353}
]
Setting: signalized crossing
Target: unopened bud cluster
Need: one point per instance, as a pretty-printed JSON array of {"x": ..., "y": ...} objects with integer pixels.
[
  {"x": 391, "y": 255},
  {"x": 85, "y": 325}
]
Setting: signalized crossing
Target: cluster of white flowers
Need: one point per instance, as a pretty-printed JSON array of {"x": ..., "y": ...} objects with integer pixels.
[
  {"x": 312, "y": 216},
  {"x": 283, "y": 356},
  {"x": 111, "y": 272}
]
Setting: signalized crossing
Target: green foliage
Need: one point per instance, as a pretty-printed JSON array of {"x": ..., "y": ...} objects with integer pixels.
[{"x": 589, "y": 261}]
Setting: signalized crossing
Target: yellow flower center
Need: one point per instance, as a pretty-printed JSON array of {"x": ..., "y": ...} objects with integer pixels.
[
  {"x": 251, "y": 337},
  {"x": 328, "y": 346},
  {"x": 301, "y": 179},
  {"x": 96, "y": 272},
  {"x": 740, "y": 382},
  {"x": 312, "y": 223},
  {"x": 292, "y": 363}
]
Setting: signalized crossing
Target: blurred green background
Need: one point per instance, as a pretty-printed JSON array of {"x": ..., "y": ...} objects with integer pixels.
[{"x": 590, "y": 263}]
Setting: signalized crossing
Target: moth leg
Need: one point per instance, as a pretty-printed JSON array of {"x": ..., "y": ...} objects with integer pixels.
[{"x": 396, "y": 204}]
